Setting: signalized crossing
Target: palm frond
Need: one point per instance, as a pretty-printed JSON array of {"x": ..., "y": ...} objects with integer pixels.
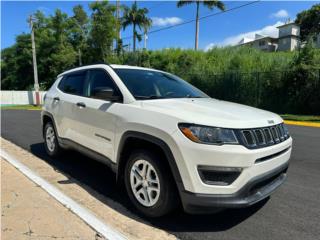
[
  {"x": 183, "y": 3},
  {"x": 214, "y": 3}
]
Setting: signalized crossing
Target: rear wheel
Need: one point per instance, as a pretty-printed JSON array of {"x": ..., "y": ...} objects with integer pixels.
[
  {"x": 149, "y": 186},
  {"x": 50, "y": 140}
]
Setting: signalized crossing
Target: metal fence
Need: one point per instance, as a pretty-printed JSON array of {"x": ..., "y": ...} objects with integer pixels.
[{"x": 288, "y": 91}]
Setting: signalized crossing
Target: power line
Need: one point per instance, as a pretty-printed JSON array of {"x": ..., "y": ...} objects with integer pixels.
[{"x": 201, "y": 18}]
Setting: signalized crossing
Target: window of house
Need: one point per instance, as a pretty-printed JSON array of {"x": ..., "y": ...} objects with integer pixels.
[{"x": 262, "y": 43}]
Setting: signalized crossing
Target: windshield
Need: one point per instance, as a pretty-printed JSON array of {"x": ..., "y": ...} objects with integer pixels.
[{"x": 148, "y": 84}]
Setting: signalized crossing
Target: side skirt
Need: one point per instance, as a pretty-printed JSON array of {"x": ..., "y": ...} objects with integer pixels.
[{"x": 69, "y": 144}]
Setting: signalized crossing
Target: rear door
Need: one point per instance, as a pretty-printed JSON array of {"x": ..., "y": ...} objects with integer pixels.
[
  {"x": 96, "y": 120},
  {"x": 70, "y": 93}
]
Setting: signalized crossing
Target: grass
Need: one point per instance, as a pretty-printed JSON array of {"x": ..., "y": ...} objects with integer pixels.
[
  {"x": 21, "y": 107},
  {"x": 305, "y": 118}
]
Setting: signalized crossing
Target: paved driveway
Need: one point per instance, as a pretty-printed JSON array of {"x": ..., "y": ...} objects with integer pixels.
[{"x": 292, "y": 212}]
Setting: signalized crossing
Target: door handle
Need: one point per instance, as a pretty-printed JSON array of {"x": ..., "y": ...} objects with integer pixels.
[
  {"x": 81, "y": 105},
  {"x": 57, "y": 99}
]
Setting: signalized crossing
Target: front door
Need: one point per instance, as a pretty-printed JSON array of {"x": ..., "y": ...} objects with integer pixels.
[{"x": 96, "y": 119}]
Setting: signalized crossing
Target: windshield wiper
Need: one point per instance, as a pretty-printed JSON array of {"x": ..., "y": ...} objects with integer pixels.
[
  {"x": 148, "y": 97},
  {"x": 190, "y": 96}
]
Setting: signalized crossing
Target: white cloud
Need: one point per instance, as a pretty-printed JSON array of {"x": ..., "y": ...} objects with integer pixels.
[
  {"x": 280, "y": 14},
  {"x": 161, "y": 22},
  {"x": 270, "y": 30}
]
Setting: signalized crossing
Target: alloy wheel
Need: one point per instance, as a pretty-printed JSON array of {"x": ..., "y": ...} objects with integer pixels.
[{"x": 145, "y": 183}]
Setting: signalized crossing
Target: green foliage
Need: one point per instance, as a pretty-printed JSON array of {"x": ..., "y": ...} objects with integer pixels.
[
  {"x": 279, "y": 81},
  {"x": 287, "y": 82},
  {"x": 103, "y": 29},
  {"x": 309, "y": 21}
]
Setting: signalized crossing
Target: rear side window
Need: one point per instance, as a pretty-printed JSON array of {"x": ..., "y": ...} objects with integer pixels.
[{"x": 73, "y": 83}]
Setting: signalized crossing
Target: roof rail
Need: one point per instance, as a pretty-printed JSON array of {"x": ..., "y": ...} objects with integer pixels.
[{"x": 96, "y": 63}]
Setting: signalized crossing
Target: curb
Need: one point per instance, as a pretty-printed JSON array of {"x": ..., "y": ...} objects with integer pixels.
[
  {"x": 105, "y": 230},
  {"x": 301, "y": 123}
]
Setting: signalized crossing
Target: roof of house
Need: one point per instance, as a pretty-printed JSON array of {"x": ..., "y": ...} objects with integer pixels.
[{"x": 287, "y": 24}]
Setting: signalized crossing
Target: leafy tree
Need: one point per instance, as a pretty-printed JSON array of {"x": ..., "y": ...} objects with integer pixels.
[
  {"x": 103, "y": 29},
  {"x": 211, "y": 4},
  {"x": 309, "y": 21},
  {"x": 79, "y": 30},
  {"x": 137, "y": 17}
]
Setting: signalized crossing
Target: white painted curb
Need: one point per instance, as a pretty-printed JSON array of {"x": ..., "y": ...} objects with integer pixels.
[{"x": 102, "y": 228}]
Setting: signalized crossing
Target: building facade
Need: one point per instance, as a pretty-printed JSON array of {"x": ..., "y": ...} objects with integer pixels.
[{"x": 288, "y": 39}]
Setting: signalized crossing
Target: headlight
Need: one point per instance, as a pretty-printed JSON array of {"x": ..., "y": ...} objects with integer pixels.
[{"x": 208, "y": 135}]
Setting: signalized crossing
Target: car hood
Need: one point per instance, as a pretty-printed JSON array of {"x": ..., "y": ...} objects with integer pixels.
[{"x": 213, "y": 112}]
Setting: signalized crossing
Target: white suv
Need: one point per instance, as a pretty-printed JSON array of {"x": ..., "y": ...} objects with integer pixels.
[{"x": 169, "y": 142}]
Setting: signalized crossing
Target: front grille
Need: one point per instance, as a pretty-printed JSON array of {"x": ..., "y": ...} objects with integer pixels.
[{"x": 262, "y": 137}]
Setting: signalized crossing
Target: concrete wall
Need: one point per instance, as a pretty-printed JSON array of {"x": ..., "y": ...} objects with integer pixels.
[
  {"x": 20, "y": 97},
  {"x": 288, "y": 44}
]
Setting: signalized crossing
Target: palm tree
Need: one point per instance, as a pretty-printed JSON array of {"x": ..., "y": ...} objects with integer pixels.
[
  {"x": 211, "y": 4},
  {"x": 137, "y": 17}
]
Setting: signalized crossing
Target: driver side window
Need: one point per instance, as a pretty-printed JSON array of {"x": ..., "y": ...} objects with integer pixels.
[{"x": 97, "y": 80}]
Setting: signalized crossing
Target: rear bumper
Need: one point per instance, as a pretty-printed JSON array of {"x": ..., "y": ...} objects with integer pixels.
[{"x": 254, "y": 191}]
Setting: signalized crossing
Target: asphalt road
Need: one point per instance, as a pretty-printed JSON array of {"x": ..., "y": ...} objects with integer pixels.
[{"x": 292, "y": 212}]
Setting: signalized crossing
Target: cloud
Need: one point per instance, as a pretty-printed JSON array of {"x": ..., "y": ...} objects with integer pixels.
[
  {"x": 270, "y": 30},
  {"x": 280, "y": 14},
  {"x": 161, "y": 22}
]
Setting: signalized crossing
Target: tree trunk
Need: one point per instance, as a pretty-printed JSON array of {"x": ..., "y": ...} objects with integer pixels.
[
  {"x": 197, "y": 27},
  {"x": 134, "y": 37}
]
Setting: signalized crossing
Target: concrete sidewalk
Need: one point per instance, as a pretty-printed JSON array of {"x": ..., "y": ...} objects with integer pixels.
[{"x": 28, "y": 212}]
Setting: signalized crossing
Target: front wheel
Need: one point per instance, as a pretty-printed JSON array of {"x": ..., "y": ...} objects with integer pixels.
[{"x": 149, "y": 184}]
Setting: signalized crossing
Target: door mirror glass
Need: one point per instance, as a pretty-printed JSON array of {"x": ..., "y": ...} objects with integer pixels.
[{"x": 105, "y": 93}]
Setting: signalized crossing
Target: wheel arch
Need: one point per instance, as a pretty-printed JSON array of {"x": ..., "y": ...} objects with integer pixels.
[{"x": 130, "y": 140}]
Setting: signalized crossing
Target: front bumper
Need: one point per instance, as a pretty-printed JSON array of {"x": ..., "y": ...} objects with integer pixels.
[{"x": 254, "y": 191}]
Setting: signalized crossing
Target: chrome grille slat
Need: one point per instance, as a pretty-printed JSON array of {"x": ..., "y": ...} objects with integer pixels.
[{"x": 262, "y": 137}]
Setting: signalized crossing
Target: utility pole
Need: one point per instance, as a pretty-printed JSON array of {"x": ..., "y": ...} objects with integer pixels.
[
  {"x": 145, "y": 40},
  {"x": 79, "y": 55},
  {"x": 34, "y": 58},
  {"x": 119, "y": 23}
]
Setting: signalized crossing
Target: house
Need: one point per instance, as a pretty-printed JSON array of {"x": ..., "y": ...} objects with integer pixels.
[
  {"x": 288, "y": 39},
  {"x": 261, "y": 42}
]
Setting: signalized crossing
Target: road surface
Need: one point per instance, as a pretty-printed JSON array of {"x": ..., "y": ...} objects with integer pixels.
[{"x": 292, "y": 212}]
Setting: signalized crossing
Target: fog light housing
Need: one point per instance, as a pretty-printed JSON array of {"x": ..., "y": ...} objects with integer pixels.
[{"x": 221, "y": 176}]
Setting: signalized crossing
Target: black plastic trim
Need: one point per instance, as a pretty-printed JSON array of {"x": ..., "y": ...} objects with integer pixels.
[
  {"x": 259, "y": 160},
  {"x": 67, "y": 143},
  {"x": 204, "y": 203},
  {"x": 157, "y": 141}
]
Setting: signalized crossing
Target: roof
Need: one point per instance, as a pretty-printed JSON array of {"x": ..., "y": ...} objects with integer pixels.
[
  {"x": 287, "y": 24},
  {"x": 102, "y": 65},
  {"x": 256, "y": 40}
]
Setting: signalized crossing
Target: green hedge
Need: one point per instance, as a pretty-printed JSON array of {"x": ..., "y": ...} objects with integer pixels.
[{"x": 284, "y": 82}]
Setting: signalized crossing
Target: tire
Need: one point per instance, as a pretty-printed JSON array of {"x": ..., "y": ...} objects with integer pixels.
[
  {"x": 149, "y": 201},
  {"x": 51, "y": 143}
]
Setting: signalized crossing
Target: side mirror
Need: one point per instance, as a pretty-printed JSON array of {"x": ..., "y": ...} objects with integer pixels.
[{"x": 105, "y": 93}]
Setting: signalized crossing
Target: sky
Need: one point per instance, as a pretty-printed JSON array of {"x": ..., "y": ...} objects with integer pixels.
[{"x": 223, "y": 29}]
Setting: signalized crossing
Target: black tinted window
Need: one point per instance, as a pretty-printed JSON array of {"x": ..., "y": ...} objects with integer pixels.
[
  {"x": 99, "y": 79},
  {"x": 147, "y": 84},
  {"x": 73, "y": 84}
]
